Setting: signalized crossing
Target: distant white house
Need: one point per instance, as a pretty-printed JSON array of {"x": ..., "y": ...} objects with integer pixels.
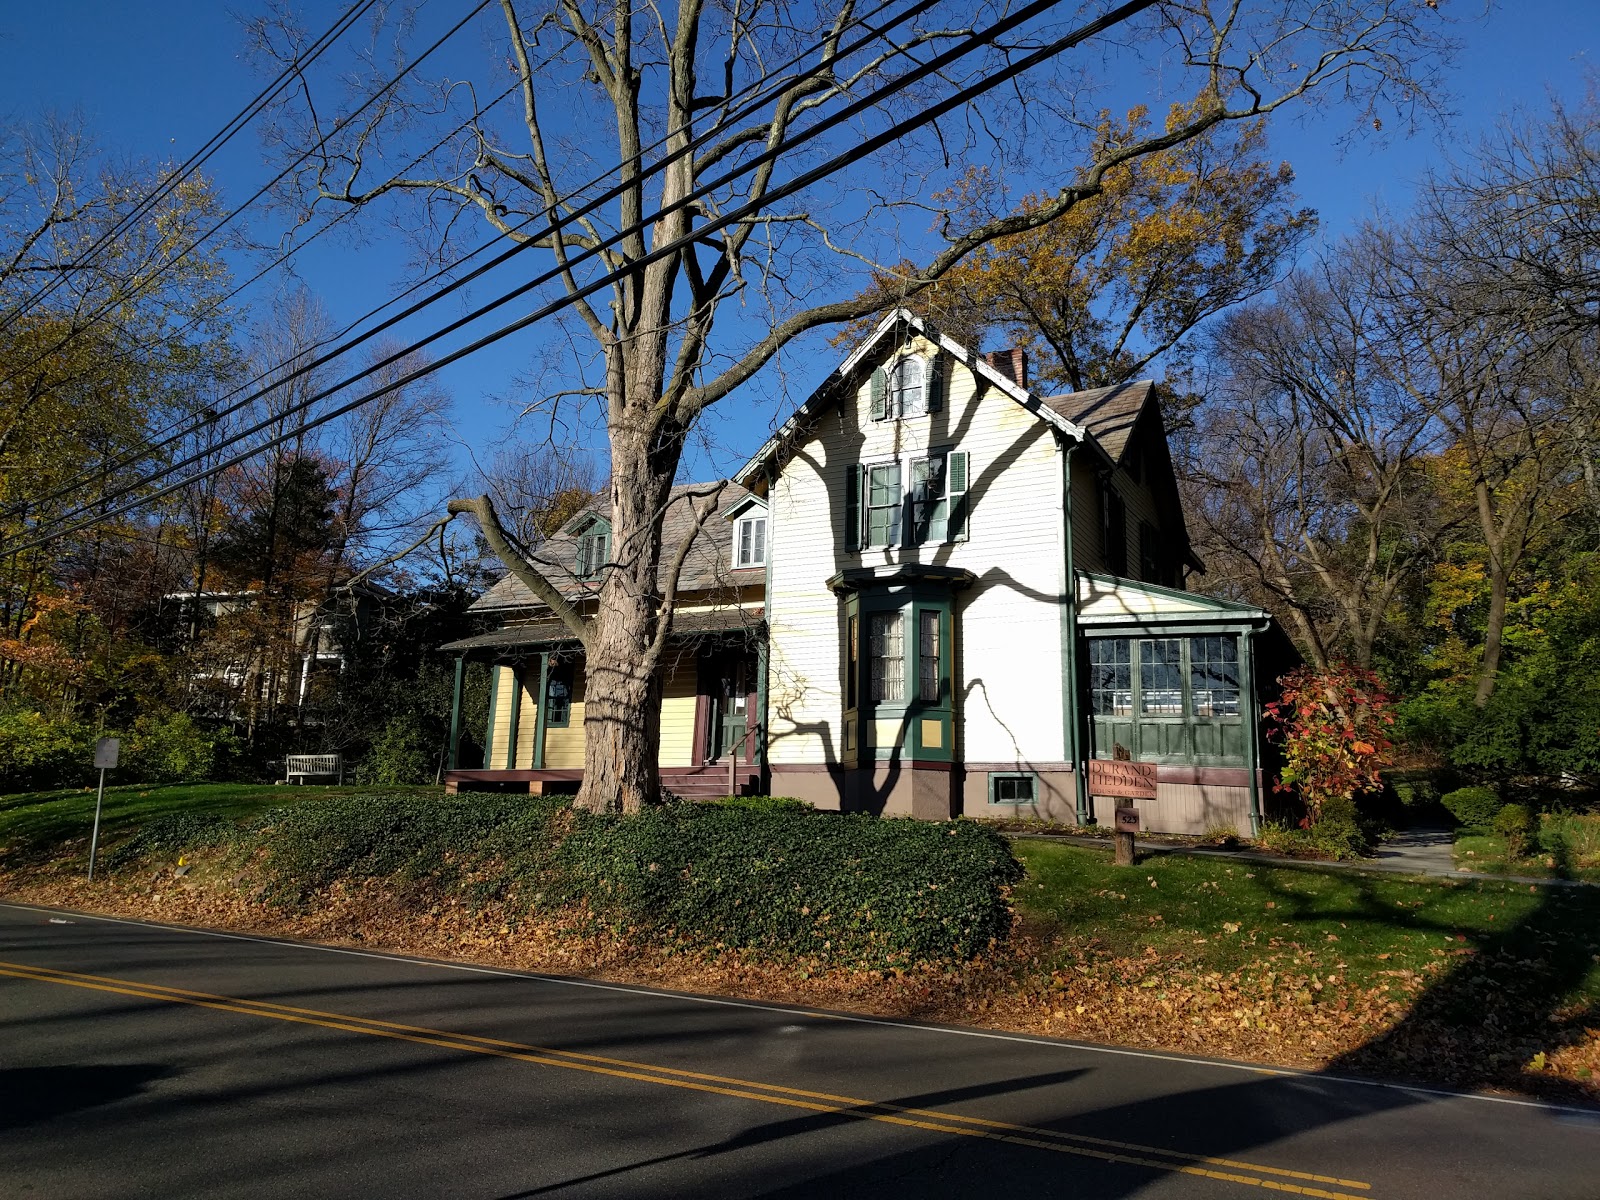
[{"x": 933, "y": 592}]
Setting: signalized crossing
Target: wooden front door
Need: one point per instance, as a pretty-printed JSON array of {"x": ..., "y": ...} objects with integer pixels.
[{"x": 727, "y": 677}]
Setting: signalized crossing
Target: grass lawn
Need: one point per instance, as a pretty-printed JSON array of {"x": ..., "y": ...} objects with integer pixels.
[
  {"x": 1487, "y": 852},
  {"x": 1243, "y": 917},
  {"x": 36, "y": 826}
]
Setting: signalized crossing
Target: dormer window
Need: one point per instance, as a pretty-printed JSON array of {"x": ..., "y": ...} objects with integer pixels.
[
  {"x": 750, "y": 540},
  {"x": 594, "y": 550}
]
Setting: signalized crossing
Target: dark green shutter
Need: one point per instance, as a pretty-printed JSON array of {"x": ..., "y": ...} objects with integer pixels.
[
  {"x": 880, "y": 384},
  {"x": 852, "y": 507},
  {"x": 956, "y": 489},
  {"x": 936, "y": 383}
]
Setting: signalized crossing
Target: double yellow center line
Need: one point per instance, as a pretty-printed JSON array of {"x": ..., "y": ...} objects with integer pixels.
[{"x": 1278, "y": 1179}]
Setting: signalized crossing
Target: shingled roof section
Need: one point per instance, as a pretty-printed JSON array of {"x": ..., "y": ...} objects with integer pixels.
[
  {"x": 1108, "y": 413},
  {"x": 707, "y": 569}
]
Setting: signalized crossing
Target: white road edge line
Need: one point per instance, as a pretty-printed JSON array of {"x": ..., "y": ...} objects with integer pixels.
[{"x": 1310, "y": 1078}]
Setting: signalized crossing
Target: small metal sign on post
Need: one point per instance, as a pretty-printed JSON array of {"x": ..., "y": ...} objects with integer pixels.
[
  {"x": 1127, "y": 826},
  {"x": 106, "y": 752}
]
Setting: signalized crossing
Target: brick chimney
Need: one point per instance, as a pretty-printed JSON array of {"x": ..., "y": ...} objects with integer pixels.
[{"x": 1012, "y": 363}]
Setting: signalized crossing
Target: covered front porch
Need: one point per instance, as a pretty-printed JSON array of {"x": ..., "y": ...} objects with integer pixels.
[{"x": 711, "y": 677}]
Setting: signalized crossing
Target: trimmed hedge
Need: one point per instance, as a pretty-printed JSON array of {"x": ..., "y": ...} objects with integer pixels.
[
  {"x": 1474, "y": 807},
  {"x": 856, "y": 890}
]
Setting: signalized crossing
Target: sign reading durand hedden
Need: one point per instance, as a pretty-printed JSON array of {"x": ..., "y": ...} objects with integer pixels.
[{"x": 1115, "y": 777}]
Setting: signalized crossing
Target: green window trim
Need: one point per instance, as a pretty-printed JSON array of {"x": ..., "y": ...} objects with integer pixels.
[
  {"x": 898, "y": 643},
  {"x": 885, "y": 501},
  {"x": 1177, "y": 697},
  {"x": 557, "y": 700},
  {"x": 1013, "y": 787},
  {"x": 881, "y": 511}
]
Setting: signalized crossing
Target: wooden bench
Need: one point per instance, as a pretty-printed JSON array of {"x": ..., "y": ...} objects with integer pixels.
[{"x": 297, "y": 768}]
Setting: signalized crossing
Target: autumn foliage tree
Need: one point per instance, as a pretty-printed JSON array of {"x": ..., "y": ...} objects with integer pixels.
[
  {"x": 1108, "y": 287},
  {"x": 1334, "y": 729}
]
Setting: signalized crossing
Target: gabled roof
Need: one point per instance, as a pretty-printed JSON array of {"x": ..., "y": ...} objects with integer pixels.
[
  {"x": 707, "y": 567},
  {"x": 1108, "y": 413},
  {"x": 793, "y": 431}
]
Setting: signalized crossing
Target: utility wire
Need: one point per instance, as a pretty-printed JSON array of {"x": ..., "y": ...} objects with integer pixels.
[
  {"x": 765, "y": 93},
  {"x": 261, "y": 191},
  {"x": 196, "y": 160},
  {"x": 212, "y": 414},
  {"x": 871, "y": 145}
]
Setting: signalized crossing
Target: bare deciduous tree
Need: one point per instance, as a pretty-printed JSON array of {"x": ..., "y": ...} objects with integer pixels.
[
  {"x": 650, "y": 87},
  {"x": 1307, "y": 472}
]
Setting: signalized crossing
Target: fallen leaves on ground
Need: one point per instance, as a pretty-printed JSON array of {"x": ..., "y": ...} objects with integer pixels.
[{"x": 1293, "y": 1006}]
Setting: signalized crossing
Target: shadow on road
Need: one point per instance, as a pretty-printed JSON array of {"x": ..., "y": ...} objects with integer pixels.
[{"x": 29, "y": 1095}]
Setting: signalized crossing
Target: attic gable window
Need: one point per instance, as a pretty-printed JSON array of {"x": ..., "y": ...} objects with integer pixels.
[
  {"x": 750, "y": 541},
  {"x": 909, "y": 387},
  {"x": 906, "y": 396}
]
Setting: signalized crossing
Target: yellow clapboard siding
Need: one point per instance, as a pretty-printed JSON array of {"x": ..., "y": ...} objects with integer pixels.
[
  {"x": 563, "y": 748},
  {"x": 677, "y": 712},
  {"x": 503, "y": 681}
]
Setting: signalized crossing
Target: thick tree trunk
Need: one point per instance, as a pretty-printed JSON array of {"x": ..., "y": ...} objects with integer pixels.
[
  {"x": 621, "y": 714},
  {"x": 622, "y": 700}
]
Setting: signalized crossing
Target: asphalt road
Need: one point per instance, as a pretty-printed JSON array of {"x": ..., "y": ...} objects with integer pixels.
[{"x": 139, "y": 1060}]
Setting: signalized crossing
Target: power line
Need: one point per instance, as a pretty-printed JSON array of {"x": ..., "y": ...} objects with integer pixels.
[
  {"x": 560, "y": 222},
  {"x": 261, "y": 191},
  {"x": 193, "y": 163},
  {"x": 805, "y": 179},
  {"x": 175, "y": 427}
]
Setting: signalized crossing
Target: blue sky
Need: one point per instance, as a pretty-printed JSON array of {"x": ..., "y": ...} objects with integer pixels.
[{"x": 155, "y": 80}]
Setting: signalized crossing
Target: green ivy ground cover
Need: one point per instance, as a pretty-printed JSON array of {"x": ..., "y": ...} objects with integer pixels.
[{"x": 777, "y": 879}]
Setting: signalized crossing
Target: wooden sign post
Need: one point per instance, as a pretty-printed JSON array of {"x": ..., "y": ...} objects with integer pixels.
[
  {"x": 1123, "y": 780},
  {"x": 1127, "y": 827}
]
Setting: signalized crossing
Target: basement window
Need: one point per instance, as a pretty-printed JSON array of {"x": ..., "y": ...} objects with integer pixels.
[{"x": 1013, "y": 787}]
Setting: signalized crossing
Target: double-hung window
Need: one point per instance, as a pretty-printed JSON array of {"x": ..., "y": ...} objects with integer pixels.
[
  {"x": 930, "y": 501},
  {"x": 558, "y": 697},
  {"x": 880, "y": 510},
  {"x": 750, "y": 541},
  {"x": 929, "y": 665},
  {"x": 884, "y": 503}
]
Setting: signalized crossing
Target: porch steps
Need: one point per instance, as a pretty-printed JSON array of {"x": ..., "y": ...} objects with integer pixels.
[{"x": 707, "y": 783}]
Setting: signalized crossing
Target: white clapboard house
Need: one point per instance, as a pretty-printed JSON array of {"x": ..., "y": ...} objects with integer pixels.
[{"x": 932, "y": 592}]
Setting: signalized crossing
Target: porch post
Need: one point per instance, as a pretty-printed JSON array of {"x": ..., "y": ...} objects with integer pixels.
[
  {"x": 1069, "y": 644},
  {"x": 538, "y": 712},
  {"x": 516, "y": 715},
  {"x": 1252, "y": 758},
  {"x": 455, "y": 714},
  {"x": 488, "y": 729},
  {"x": 760, "y": 757}
]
